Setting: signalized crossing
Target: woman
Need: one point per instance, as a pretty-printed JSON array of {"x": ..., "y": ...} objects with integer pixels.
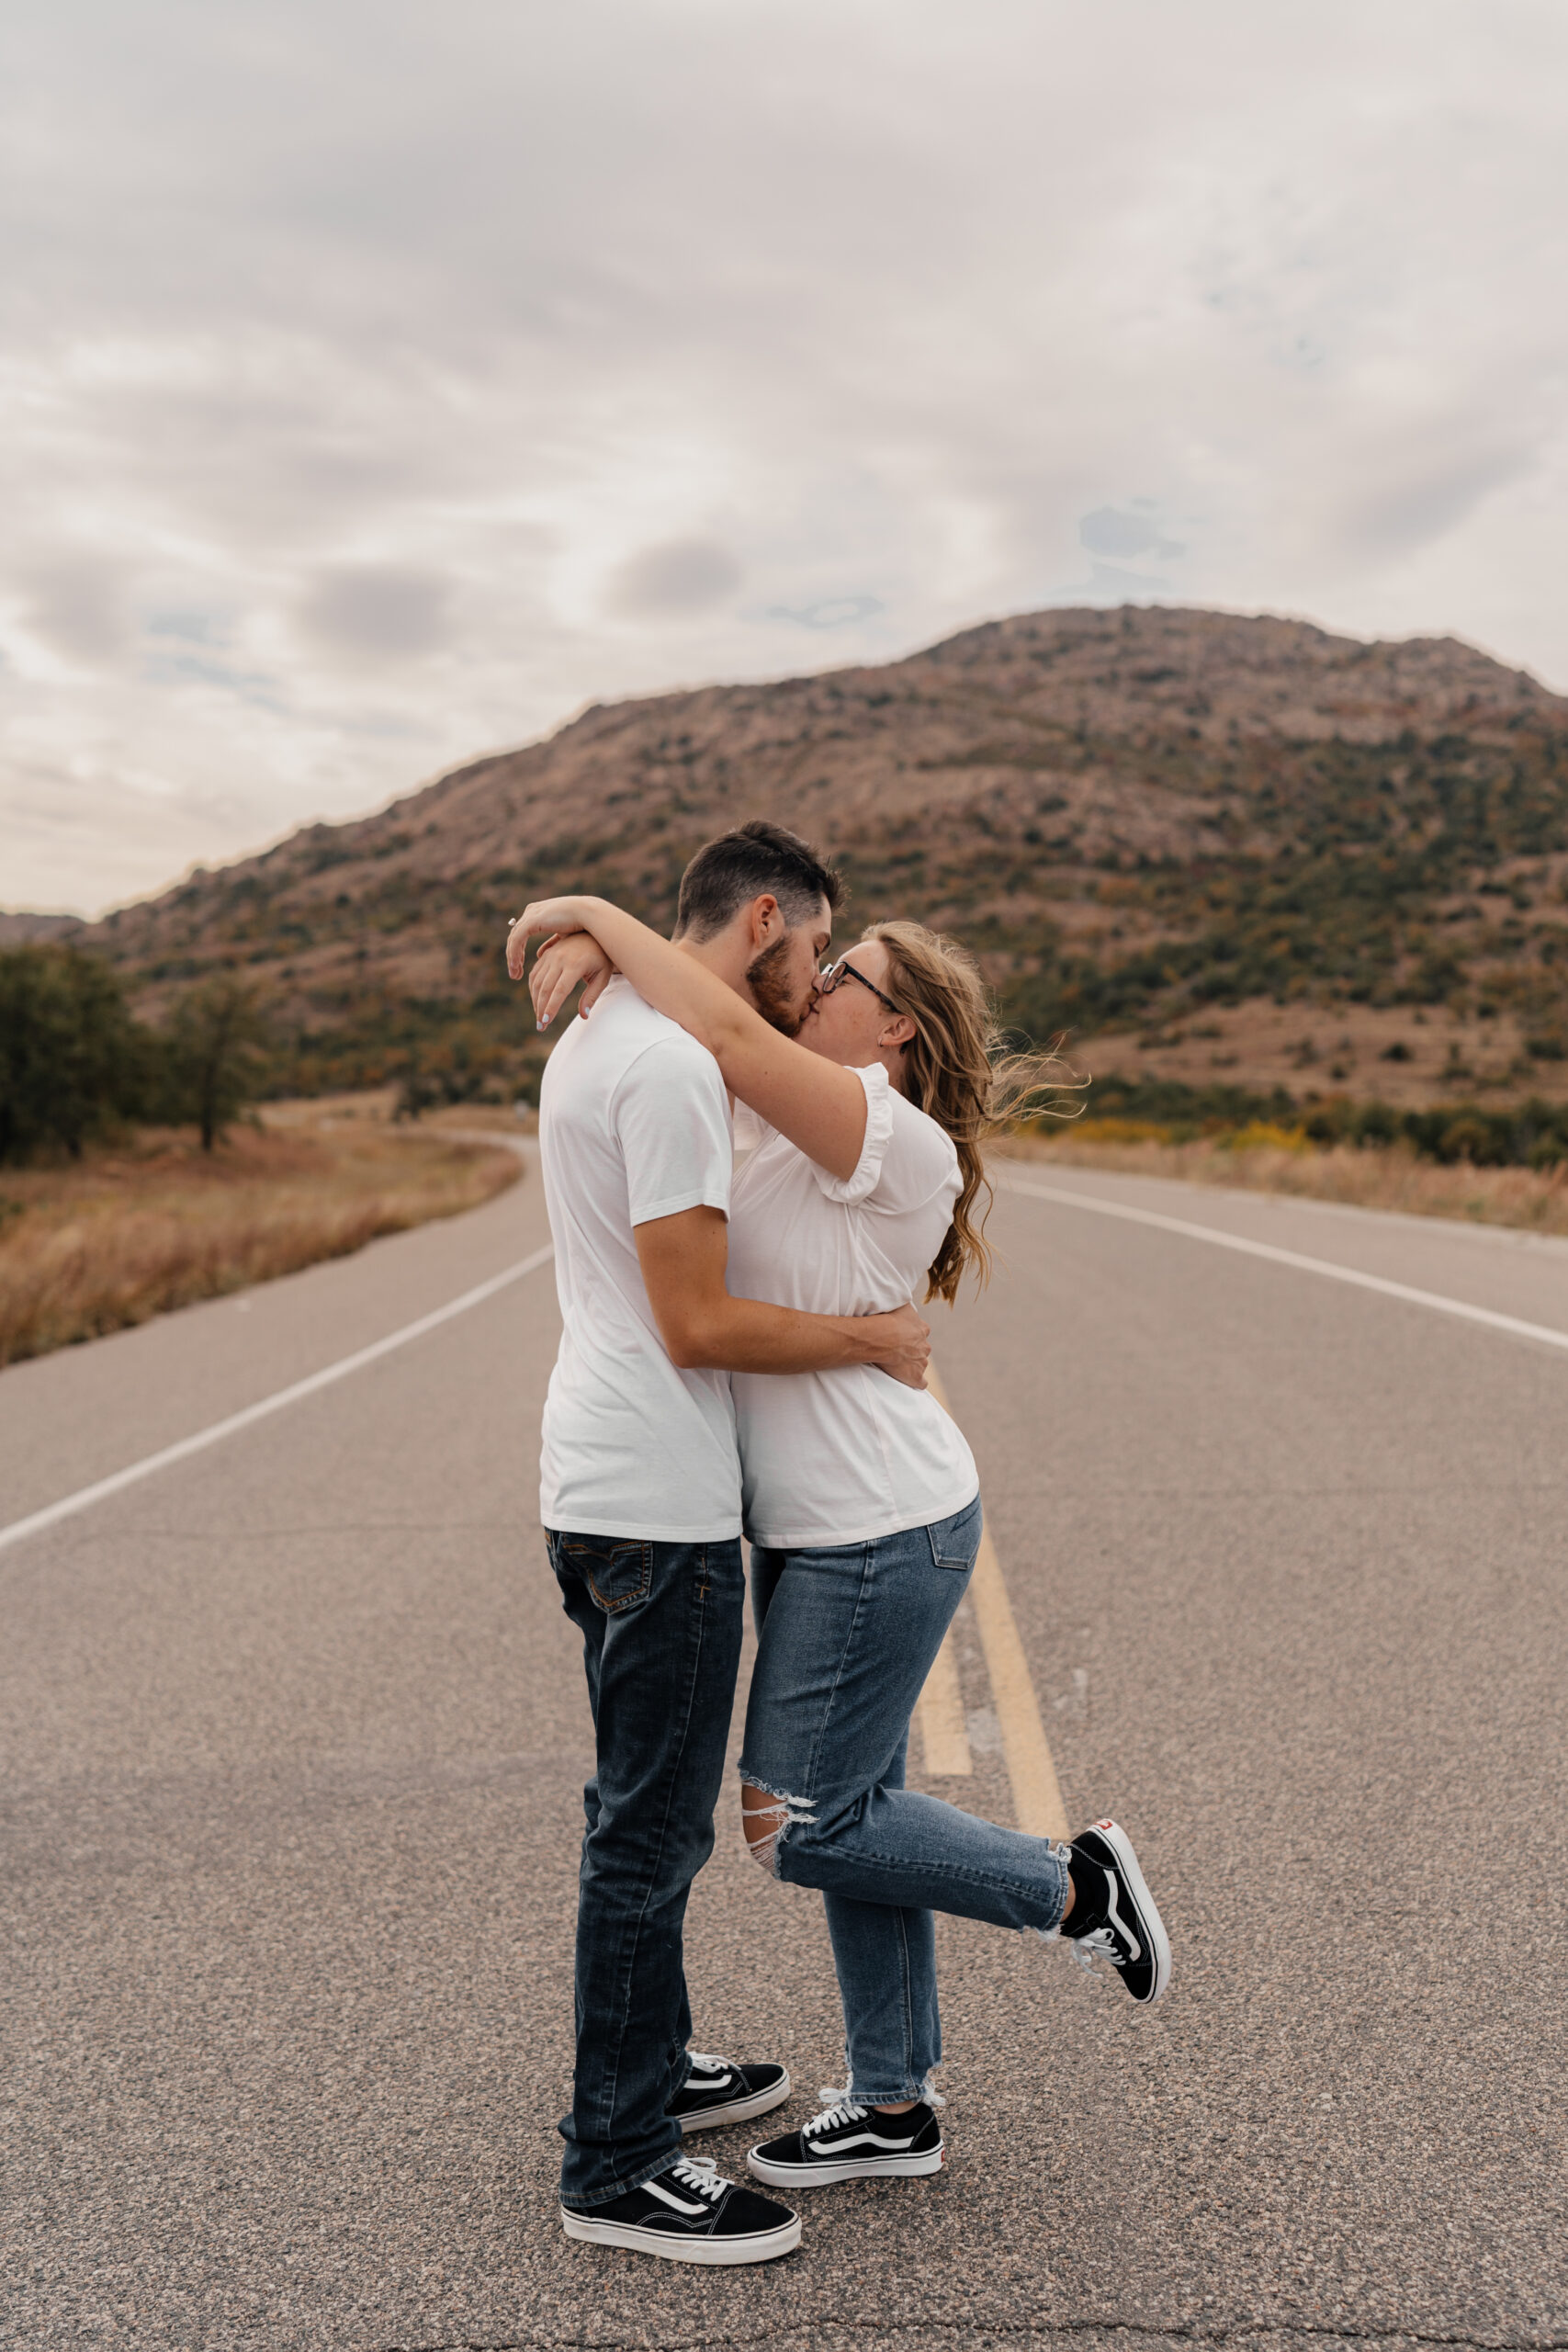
[{"x": 862, "y": 1501}]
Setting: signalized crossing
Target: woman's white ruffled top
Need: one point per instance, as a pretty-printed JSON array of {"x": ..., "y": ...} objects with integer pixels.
[{"x": 838, "y": 1457}]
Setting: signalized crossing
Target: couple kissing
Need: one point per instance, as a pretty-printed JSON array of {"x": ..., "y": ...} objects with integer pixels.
[{"x": 754, "y": 1160}]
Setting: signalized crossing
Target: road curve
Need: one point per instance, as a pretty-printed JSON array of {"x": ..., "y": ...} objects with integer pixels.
[{"x": 294, "y": 1734}]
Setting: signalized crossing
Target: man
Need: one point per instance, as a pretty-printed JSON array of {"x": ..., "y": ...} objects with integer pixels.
[{"x": 640, "y": 1498}]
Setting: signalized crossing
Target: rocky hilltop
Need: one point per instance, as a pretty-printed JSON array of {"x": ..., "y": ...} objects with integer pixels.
[{"x": 1190, "y": 830}]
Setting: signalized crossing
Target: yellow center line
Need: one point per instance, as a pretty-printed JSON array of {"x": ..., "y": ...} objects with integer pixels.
[
  {"x": 1036, "y": 1791},
  {"x": 940, "y": 1714}
]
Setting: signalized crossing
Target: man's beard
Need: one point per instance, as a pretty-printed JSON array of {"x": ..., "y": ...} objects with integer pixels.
[{"x": 767, "y": 975}]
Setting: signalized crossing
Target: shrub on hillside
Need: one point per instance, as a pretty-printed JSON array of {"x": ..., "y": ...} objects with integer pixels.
[
  {"x": 1531, "y": 1134},
  {"x": 1179, "y": 1111},
  {"x": 463, "y": 1066}
]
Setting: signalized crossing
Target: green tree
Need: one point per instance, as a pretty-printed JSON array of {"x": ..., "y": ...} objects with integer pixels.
[
  {"x": 213, "y": 1061},
  {"x": 72, "y": 1059}
]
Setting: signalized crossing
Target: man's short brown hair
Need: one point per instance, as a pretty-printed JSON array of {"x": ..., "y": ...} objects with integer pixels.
[{"x": 726, "y": 874}]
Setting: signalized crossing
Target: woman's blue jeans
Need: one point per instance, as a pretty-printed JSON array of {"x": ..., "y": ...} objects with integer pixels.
[{"x": 846, "y": 1638}]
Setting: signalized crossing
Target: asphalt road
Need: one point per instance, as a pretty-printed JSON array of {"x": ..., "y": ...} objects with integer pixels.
[{"x": 294, "y": 1736}]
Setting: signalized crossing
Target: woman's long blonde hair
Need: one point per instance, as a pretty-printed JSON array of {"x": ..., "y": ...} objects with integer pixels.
[{"x": 957, "y": 1069}]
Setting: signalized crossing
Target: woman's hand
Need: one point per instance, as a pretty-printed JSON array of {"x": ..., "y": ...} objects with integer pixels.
[
  {"x": 559, "y": 965},
  {"x": 820, "y": 1107},
  {"x": 551, "y": 917}
]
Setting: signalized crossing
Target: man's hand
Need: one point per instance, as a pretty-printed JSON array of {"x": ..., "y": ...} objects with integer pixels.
[
  {"x": 684, "y": 1260},
  {"x": 557, "y": 968},
  {"x": 908, "y": 1345}
]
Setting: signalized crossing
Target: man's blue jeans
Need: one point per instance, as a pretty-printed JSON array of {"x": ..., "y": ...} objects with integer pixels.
[
  {"x": 846, "y": 1638},
  {"x": 660, "y": 1625}
]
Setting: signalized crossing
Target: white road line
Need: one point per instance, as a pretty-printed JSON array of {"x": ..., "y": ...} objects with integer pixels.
[
  {"x": 1513, "y": 1324},
  {"x": 85, "y": 1497}
]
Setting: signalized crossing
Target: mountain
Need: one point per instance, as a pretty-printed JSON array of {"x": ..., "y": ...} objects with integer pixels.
[
  {"x": 25, "y": 929},
  {"x": 1221, "y": 843}
]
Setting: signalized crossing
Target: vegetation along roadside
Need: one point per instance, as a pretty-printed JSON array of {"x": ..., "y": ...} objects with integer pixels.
[
  {"x": 91, "y": 1244},
  {"x": 1486, "y": 1166}
]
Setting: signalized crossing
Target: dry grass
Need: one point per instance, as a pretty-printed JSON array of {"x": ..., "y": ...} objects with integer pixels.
[
  {"x": 125, "y": 1235},
  {"x": 1271, "y": 1160}
]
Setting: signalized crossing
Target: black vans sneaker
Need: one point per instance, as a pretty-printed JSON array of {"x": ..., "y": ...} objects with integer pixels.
[
  {"x": 1113, "y": 1915},
  {"x": 717, "y": 2092},
  {"x": 852, "y": 2143},
  {"x": 689, "y": 2214}
]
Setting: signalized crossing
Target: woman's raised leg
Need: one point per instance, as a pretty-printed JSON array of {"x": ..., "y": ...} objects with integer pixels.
[{"x": 846, "y": 1643}]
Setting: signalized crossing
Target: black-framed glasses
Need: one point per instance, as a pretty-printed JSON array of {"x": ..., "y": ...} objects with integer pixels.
[{"x": 833, "y": 976}]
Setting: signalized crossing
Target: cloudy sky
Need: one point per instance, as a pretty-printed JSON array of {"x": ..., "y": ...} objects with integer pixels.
[{"x": 382, "y": 382}]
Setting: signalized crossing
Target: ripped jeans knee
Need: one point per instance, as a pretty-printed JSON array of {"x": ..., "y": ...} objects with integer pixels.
[{"x": 765, "y": 1813}]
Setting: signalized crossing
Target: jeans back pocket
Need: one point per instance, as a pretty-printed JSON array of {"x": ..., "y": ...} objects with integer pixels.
[
  {"x": 956, "y": 1542},
  {"x": 618, "y": 1574}
]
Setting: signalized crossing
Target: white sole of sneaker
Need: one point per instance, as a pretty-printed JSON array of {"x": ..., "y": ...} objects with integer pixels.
[
  {"x": 761, "y": 2247},
  {"x": 739, "y": 2110},
  {"x": 828, "y": 2176},
  {"x": 1116, "y": 1838}
]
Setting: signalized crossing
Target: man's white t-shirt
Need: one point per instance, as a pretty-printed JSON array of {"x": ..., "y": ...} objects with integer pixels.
[
  {"x": 634, "y": 1125},
  {"x": 838, "y": 1457}
]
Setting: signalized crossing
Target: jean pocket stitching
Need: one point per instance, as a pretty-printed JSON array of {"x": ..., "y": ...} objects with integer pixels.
[
  {"x": 965, "y": 1560},
  {"x": 613, "y": 1604}
]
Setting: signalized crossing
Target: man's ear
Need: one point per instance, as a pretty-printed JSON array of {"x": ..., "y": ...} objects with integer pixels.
[{"x": 767, "y": 919}]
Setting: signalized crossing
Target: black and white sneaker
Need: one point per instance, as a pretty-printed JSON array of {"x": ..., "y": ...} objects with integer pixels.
[
  {"x": 717, "y": 2092},
  {"x": 689, "y": 2214},
  {"x": 849, "y": 2141},
  {"x": 1113, "y": 1915}
]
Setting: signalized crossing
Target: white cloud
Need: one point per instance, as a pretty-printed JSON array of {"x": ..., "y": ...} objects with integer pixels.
[
  {"x": 381, "y": 386},
  {"x": 361, "y": 612},
  {"x": 74, "y": 605},
  {"x": 673, "y": 580}
]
